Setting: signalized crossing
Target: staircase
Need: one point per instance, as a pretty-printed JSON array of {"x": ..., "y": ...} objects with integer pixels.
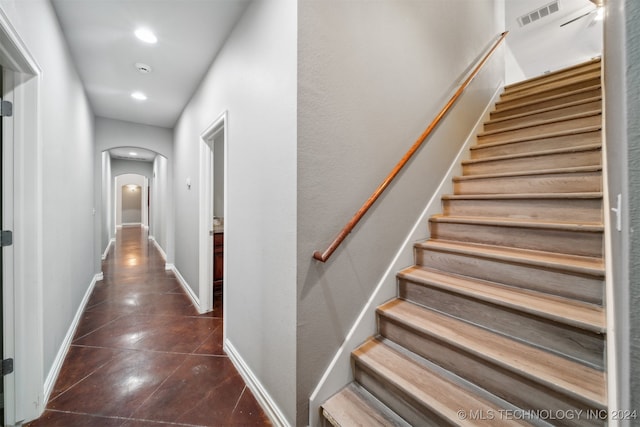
[{"x": 501, "y": 320}]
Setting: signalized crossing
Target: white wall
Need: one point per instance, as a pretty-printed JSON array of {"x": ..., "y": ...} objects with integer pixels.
[
  {"x": 111, "y": 133},
  {"x": 371, "y": 77},
  {"x": 547, "y": 45},
  {"x": 254, "y": 79},
  {"x": 67, "y": 156}
]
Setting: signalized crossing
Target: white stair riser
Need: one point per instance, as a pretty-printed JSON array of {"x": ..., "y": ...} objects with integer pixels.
[
  {"x": 532, "y": 163},
  {"x": 585, "y": 288},
  {"x": 549, "y": 183},
  {"x": 572, "y": 342},
  {"x": 510, "y": 386},
  {"x": 585, "y": 243},
  {"x": 536, "y": 145},
  {"x": 524, "y": 106},
  {"x": 534, "y": 117},
  {"x": 538, "y": 130}
]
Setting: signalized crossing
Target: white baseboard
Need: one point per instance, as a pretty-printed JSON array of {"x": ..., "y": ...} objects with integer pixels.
[
  {"x": 339, "y": 373},
  {"x": 260, "y": 393},
  {"x": 66, "y": 343},
  {"x": 130, "y": 224},
  {"x": 106, "y": 251},
  {"x": 159, "y": 248},
  {"x": 194, "y": 298}
]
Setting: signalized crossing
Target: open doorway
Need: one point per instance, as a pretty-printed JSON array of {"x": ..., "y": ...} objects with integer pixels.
[
  {"x": 131, "y": 201},
  {"x": 213, "y": 219}
]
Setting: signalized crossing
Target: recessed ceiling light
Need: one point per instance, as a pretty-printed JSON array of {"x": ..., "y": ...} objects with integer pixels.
[
  {"x": 146, "y": 35},
  {"x": 139, "y": 96},
  {"x": 133, "y": 153}
]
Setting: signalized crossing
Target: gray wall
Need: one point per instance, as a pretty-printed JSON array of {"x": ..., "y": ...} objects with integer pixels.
[
  {"x": 68, "y": 250},
  {"x": 371, "y": 76},
  {"x": 131, "y": 204},
  {"x": 218, "y": 175},
  {"x": 622, "y": 85},
  {"x": 160, "y": 206},
  {"x": 633, "y": 141},
  {"x": 254, "y": 79},
  {"x": 106, "y": 190},
  {"x": 122, "y": 166}
]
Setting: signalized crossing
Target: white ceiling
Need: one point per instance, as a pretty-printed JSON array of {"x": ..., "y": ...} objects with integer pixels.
[
  {"x": 191, "y": 32},
  {"x": 104, "y": 48}
]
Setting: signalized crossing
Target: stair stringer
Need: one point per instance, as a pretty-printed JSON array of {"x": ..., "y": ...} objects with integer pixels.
[
  {"x": 610, "y": 226},
  {"x": 339, "y": 373}
]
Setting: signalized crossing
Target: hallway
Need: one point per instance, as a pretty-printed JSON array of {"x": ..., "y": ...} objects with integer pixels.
[{"x": 142, "y": 356}]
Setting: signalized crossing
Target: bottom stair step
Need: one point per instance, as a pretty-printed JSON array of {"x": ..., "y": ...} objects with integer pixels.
[
  {"x": 354, "y": 406},
  {"x": 419, "y": 395}
]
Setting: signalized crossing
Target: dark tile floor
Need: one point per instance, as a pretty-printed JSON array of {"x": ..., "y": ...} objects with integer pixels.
[{"x": 143, "y": 357}]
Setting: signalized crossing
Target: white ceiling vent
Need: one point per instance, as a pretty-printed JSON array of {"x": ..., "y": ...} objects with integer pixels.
[{"x": 538, "y": 14}]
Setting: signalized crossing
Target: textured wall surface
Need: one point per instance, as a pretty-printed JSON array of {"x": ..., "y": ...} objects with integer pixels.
[
  {"x": 371, "y": 76},
  {"x": 633, "y": 140}
]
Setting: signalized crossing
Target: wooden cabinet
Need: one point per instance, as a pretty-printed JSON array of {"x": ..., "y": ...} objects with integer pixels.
[{"x": 218, "y": 246}]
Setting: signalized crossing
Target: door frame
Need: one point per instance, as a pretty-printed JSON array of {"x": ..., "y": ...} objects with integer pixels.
[
  {"x": 23, "y": 213},
  {"x": 205, "y": 240}
]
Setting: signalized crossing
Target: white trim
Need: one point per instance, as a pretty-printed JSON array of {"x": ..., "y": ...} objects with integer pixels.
[
  {"x": 259, "y": 392},
  {"x": 106, "y": 251},
  {"x": 159, "y": 248},
  {"x": 612, "y": 369},
  {"x": 185, "y": 286},
  {"x": 131, "y": 224},
  {"x": 205, "y": 240},
  {"x": 23, "y": 209},
  {"x": 339, "y": 373},
  {"x": 66, "y": 343}
]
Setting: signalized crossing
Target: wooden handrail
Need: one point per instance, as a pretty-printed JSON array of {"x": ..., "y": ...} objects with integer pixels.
[{"x": 324, "y": 256}]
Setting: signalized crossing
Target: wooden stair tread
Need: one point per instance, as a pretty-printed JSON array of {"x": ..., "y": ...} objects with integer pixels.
[
  {"x": 574, "y": 263},
  {"x": 576, "y": 149},
  {"x": 562, "y": 310},
  {"x": 594, "y": 112},
  {"x": 354, "y": 406},
  {"x": 509, "y": 96},
  {"x": 439, "y": 394},
  {"x": 540, "y": 136},
  {"x": 579, "y": 381},
  {"x": 574, "y": 169},
  {"x": 545, "y": 99},
  {"x": 523, "y": 196},
  {"x": 555, "y": 82},
  {"x": 553, "y": 74},
  {"x": 544, "y": 110}
]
